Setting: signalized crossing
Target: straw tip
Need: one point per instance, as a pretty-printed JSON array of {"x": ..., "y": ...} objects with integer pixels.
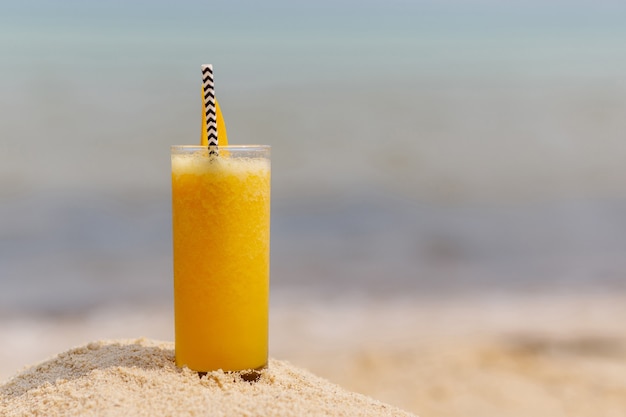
[{"x": 207, "y": 66}]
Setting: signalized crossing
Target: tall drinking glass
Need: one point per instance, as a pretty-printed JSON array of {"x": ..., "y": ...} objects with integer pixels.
[{"x": 221, "y": 239}]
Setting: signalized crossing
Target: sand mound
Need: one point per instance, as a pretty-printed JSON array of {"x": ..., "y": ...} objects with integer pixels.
[{"x": 139, "y": 378}]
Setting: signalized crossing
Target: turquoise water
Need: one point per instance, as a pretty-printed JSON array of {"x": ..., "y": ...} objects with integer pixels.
[{"x": 418, "y": 147}]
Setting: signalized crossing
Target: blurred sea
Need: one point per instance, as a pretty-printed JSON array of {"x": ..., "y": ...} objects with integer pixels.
[{"x": 419, "y": 148}]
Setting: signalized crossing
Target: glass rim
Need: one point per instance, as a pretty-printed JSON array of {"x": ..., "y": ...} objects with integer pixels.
[{"x": 227, "y": 147}]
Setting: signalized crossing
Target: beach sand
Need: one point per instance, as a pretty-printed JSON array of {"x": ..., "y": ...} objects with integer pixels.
[
  {"x": 139, "y": 378},
  {"x": 556, "y": 355},
  {"x": 500, "y": 355}
]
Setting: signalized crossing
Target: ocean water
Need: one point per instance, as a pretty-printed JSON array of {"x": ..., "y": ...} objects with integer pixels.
[{"x": 419, "y": 148}]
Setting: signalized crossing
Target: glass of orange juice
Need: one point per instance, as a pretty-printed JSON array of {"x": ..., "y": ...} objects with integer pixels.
[{"x": 221, "y": 239}]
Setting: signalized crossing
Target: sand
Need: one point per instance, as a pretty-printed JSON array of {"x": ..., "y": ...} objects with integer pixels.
[
  {"x": 501, "y": 356},
  {"x": 139, "y": 378},
  {"x": 556, "y": 356}
]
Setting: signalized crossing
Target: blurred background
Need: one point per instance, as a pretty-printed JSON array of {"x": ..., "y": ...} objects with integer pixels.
[{"x": 422, "y": 149}]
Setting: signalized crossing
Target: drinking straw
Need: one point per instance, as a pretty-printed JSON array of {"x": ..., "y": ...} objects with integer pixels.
[{"x": 209, "y": 108}]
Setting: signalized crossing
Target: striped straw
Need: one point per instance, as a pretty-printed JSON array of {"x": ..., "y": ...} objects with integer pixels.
[{"x": 209, "y": 108}]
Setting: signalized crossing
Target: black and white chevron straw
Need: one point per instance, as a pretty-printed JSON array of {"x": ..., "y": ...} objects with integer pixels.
[{"x": 209, "y": 108}]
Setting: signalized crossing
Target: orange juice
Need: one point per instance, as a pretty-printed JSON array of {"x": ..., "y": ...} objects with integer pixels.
[{"x": 221, "y": 235}]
